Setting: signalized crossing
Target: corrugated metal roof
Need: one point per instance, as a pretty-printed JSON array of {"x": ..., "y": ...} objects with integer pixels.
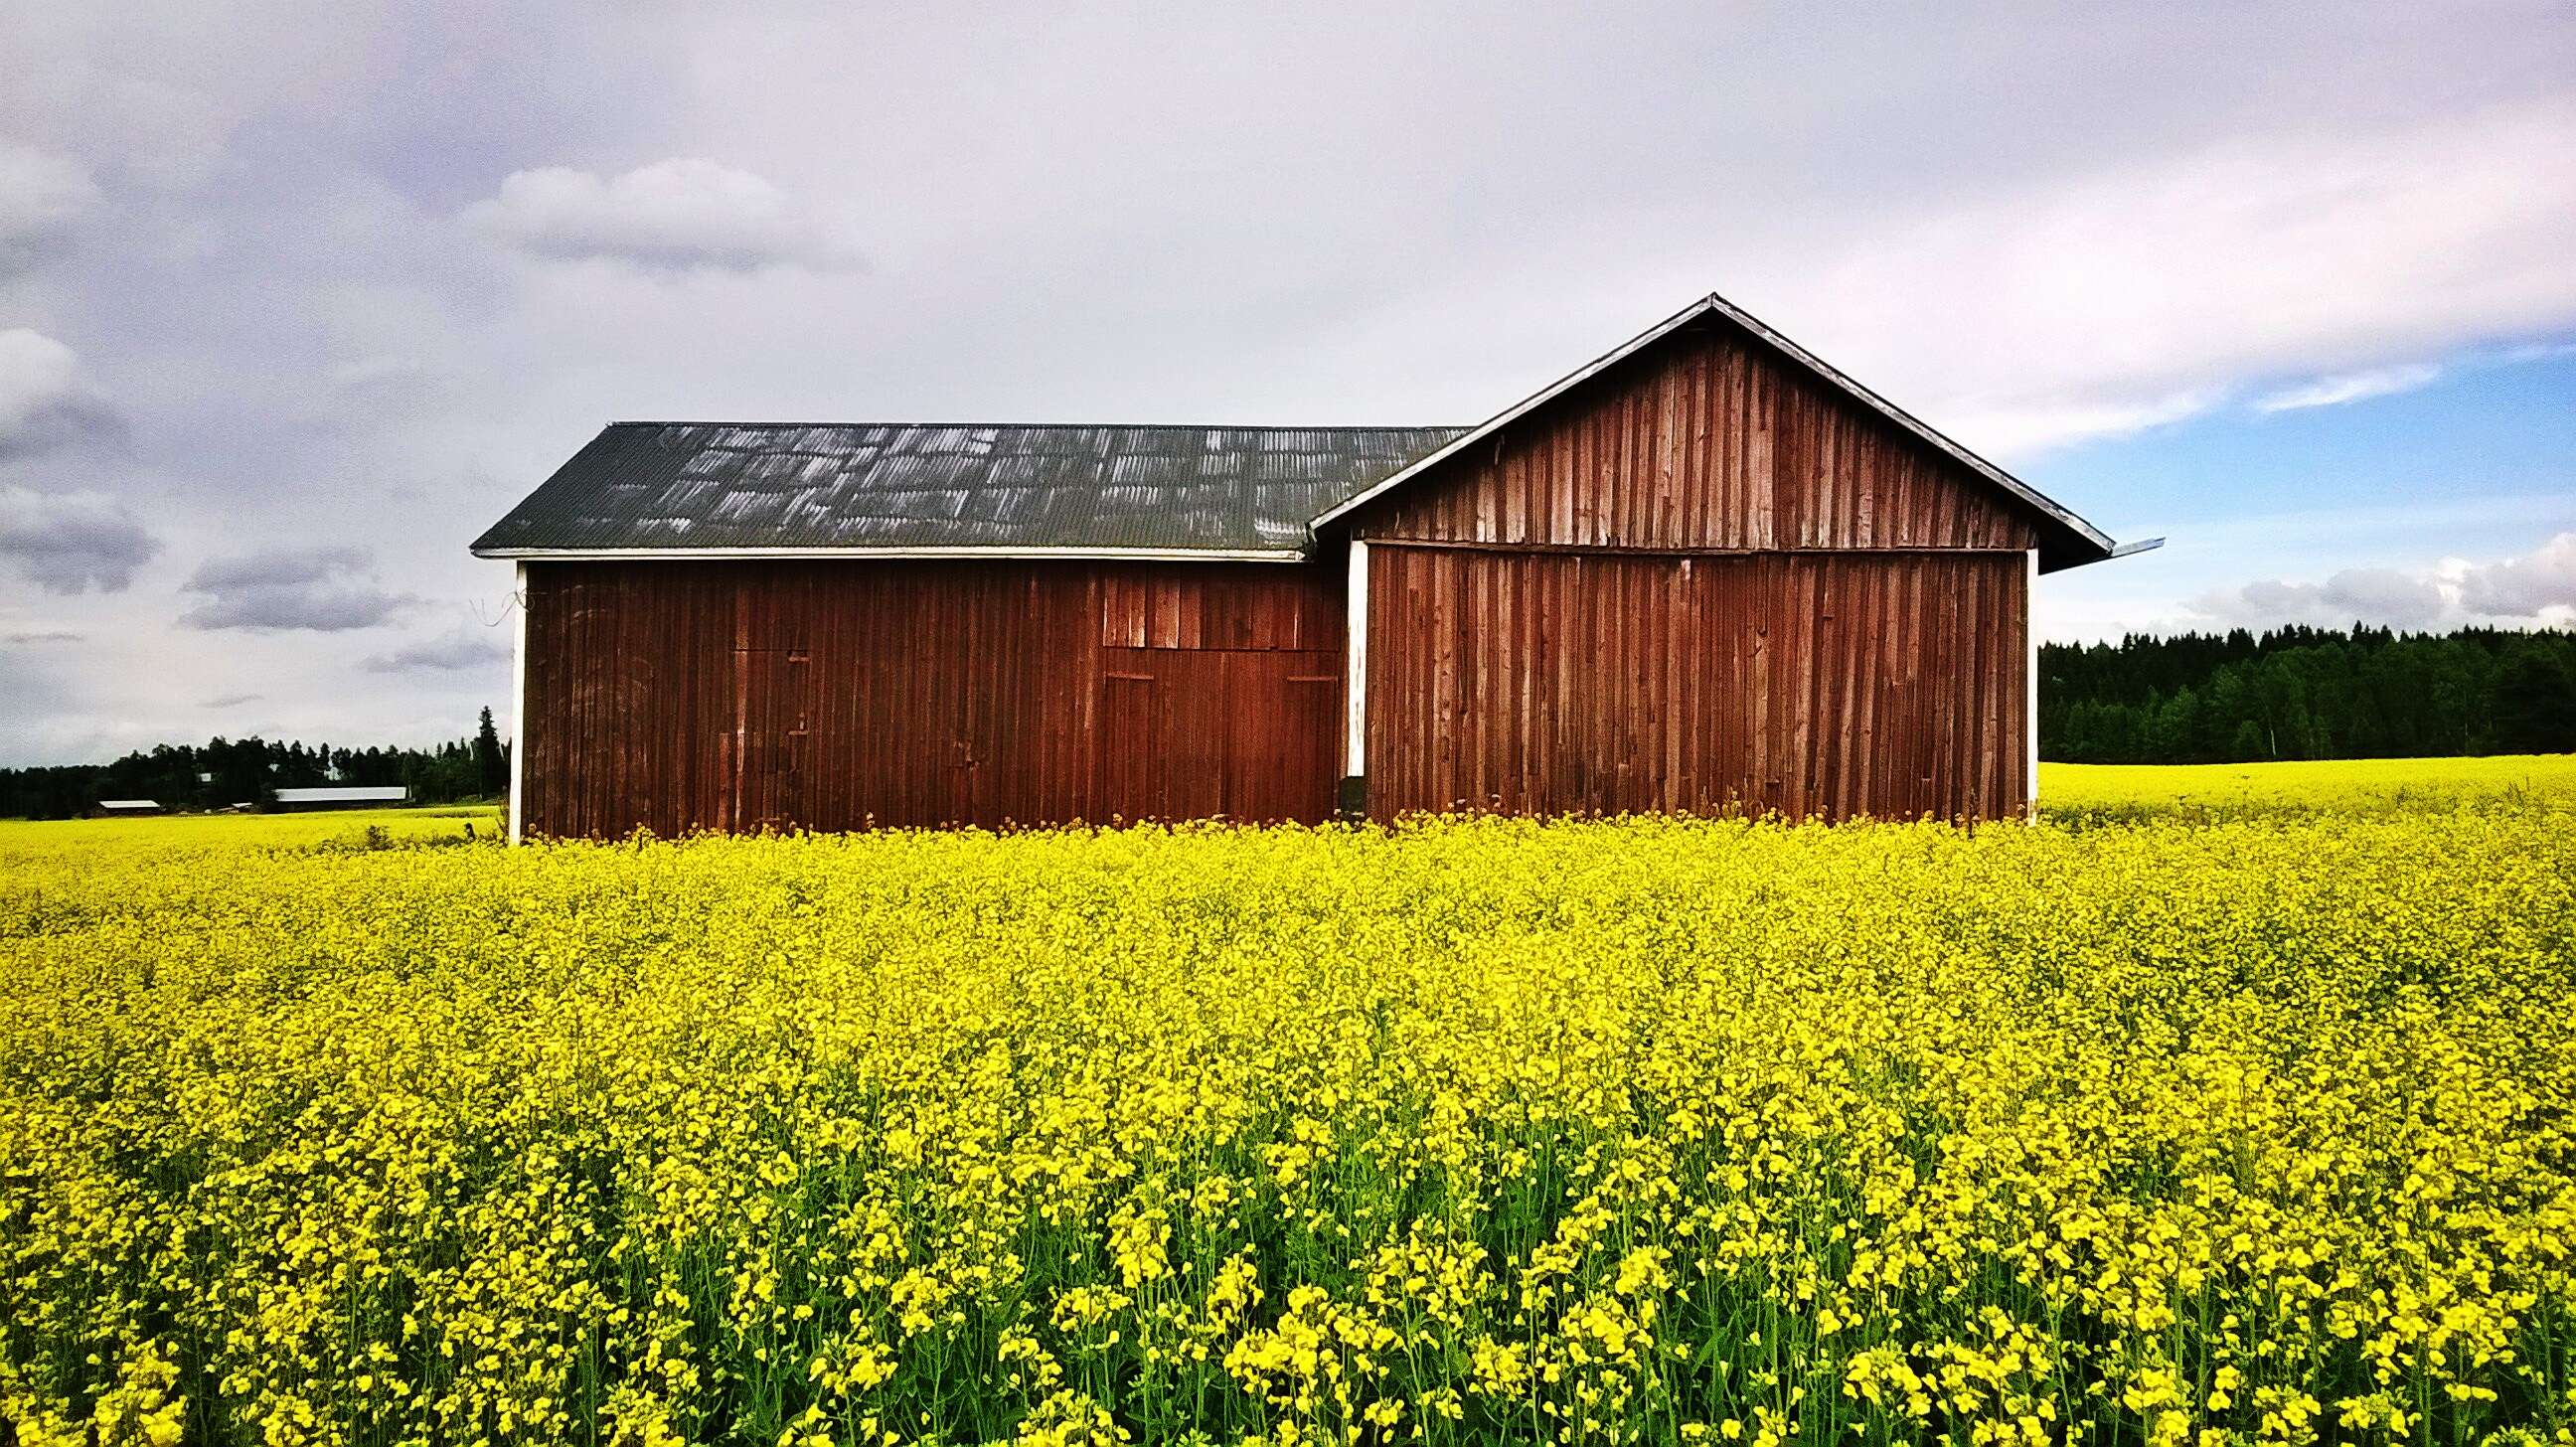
[{"x": 687, "y": 487}]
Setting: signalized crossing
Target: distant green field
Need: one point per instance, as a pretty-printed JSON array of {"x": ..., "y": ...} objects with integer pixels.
[
  {"x": 2078, "y": 792},
  {"x": 20, "y": 838}
]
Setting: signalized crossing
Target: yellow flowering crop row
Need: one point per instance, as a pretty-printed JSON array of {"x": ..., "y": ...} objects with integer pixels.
[
  {"x": 2078, "y": 793},
  {"x": 1464, "y": 1132}
]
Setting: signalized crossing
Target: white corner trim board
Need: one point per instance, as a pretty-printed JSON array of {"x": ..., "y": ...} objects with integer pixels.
[
  {"x": 518, "y": 698},
  {"x": 1355, "y": 661},
  {"x": 2030, "y": 687}
]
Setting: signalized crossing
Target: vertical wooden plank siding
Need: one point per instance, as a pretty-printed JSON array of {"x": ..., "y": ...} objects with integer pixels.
[
  {"x": 1707, "y": 441},
  {"x": 675, "y": 696},
  {"x": 1819, "y": 685},
  {"x": 1702, "y": 580}
]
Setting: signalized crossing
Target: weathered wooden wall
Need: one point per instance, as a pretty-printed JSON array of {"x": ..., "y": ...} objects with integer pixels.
[
  {"x": 1816, "y": 684},
  {"x": 1700, "y": 580},
  {"x": 1707, "y": 440},
  {"x": 833, "y": 695}
]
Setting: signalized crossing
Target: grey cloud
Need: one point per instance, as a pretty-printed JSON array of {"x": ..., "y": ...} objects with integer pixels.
[
  {"x": 45, "y": 401},
  {"x": 322, "y": 609},
  {"x": 69, "y": 422},
  {"x": 455, "y": 653},
  {"x": 74, "y": 542},
  {"x": 326, "y": 590},
  {"x": 2382, "y": 597},
  {"x": 230, "y": 700},
  {"x": 277, "y": 568},
  {"x": 682, "y": 214},
  {"x": 41, "y": 195},
  {"x": 35, "y": 636}
]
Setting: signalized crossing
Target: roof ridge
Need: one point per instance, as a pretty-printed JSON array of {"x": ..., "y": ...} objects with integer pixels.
[
  {"x": 1079, "y": 426},
  {"x": 2051, "y": 513}
]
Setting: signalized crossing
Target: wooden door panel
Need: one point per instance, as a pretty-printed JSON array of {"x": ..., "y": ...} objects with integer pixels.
[
  {"x": 773, "y": 726},
  {"x": 1282, "y": 712},
  {"x": 1200, "y": 733},
  {"x": 1130, "y": 741}
]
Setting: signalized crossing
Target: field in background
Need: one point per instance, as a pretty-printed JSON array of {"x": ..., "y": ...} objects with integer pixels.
[
  {"x": 2069, "y": 793},
  {"x": 29, "y": 839},
  {"x": 2094, "y": 792},
  {"x": 1472, "y": 1132}
]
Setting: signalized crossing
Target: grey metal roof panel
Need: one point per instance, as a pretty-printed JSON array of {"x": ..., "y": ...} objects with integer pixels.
[{"x": 697, "y": 486}]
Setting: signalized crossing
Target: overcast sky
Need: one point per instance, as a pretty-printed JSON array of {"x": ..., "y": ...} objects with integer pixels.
[{"x": 296, "y": 299}]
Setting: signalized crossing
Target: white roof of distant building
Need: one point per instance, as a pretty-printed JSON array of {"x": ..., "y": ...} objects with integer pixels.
[
  {"x": 129, "y": 804},
  {"x": 346, "y": 794}
]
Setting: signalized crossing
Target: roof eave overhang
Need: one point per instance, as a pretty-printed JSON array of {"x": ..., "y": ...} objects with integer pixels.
[
  {"x": 683, "y": 554},
  {"x": 2079, "y": 541}
]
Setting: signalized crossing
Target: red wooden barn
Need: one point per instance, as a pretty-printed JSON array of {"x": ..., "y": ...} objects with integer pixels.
[{"x": 1706, "y": 572}]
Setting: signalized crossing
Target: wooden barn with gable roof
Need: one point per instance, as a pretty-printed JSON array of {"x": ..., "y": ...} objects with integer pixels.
[{"x": 1704, "y": 573}]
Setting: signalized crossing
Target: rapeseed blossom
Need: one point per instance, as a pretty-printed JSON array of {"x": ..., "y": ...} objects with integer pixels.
[{"x": 1631, "y": 1131}]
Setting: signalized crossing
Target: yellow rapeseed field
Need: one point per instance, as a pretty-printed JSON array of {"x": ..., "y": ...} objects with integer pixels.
[
  {"x": 1633, "y": 1131},
  {"x": 2077, "y": 792}
]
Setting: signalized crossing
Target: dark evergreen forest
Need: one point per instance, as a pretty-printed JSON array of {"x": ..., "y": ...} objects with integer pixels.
[
  {"x": 221, "y": 773},
  {"x": 2307, "y": 693}
]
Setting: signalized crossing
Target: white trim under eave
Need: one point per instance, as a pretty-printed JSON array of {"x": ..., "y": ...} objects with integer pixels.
[{"x": 684, "y": 555}]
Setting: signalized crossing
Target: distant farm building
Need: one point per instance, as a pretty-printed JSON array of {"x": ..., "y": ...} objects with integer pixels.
[
  {"x": 118, "y": 808},
  {"x": 345, "y": 796},
  {"x": 1705, "y": 572}
]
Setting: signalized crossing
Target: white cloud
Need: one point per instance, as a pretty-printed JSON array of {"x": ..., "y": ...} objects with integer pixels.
[
  {"x": 2035, "y": 425},
  {"x": 681, "y": 214},
  {"x": 72, "y": 542},
  {"x": 2146, "y": 293},
  {"x": 2537, "y": 589},
  {"x": 2529, "y": 586},
  {"x": 45, "y": 398},
  {"x": 41, "y": 195},
  {"x": 2349, "y": 387}
]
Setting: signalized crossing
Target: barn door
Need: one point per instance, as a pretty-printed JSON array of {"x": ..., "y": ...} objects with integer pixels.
[
  {"x": 771, "y": 693},
  {"x": 1163, "y": 747},
  {"x": 1202, "y": 733},
  {"x": 773, "y": 722},
  {"x": 1281, "y": 759}
]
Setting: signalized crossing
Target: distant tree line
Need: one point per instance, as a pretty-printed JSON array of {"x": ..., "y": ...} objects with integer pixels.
[
  {"x": 2307, "y": 693},
  {"x": 222, "y": 773}
]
